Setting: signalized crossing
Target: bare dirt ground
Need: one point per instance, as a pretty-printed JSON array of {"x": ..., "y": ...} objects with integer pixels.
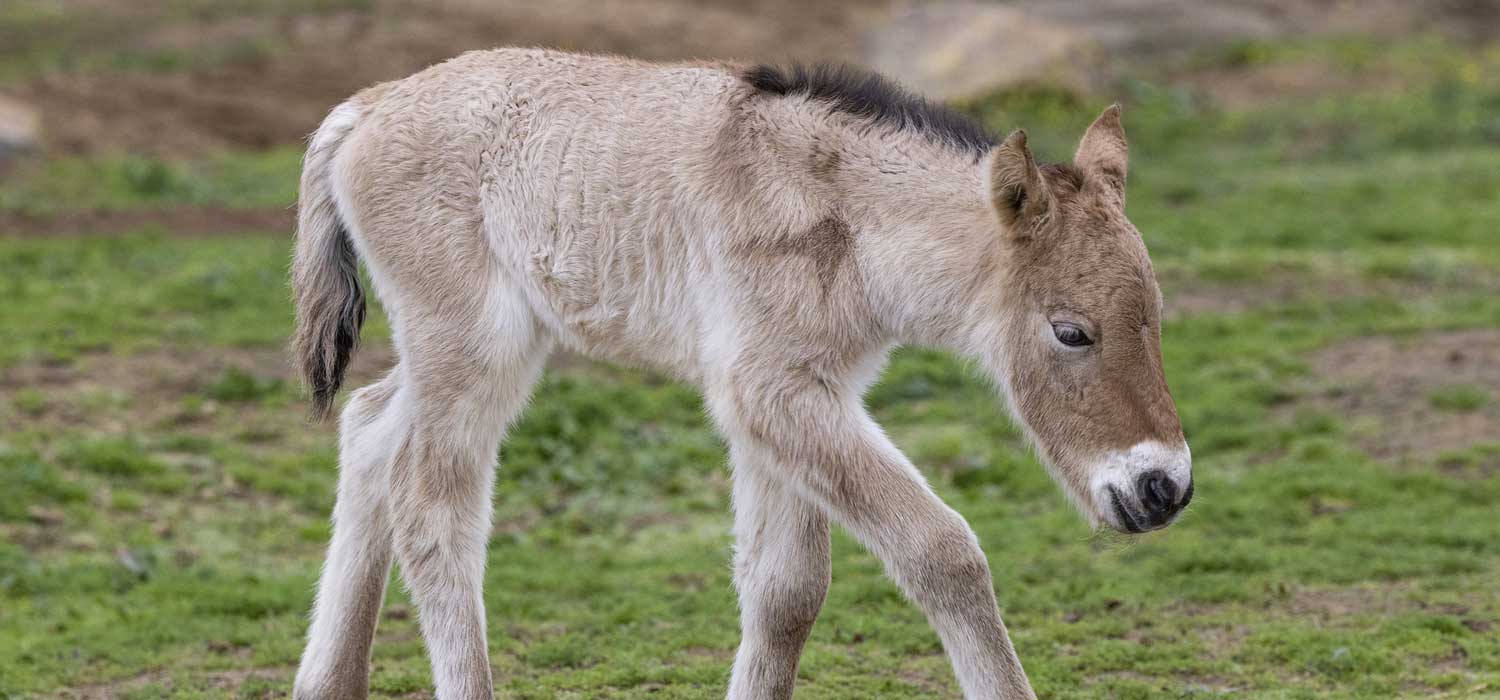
[
  {"x": 233, "y": 679},
  {"x": 182, "y": 220},
  {"x": 1388, "y": 384}
]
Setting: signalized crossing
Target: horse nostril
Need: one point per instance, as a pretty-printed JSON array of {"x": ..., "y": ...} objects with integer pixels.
[
  {"x": 1187, "y": 496},
  {"x": 1157, "y": 493}
]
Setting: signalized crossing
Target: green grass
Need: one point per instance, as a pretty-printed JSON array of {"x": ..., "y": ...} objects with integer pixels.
[
  {"x": 231, "y": 180},
  {"x": 133, "y": 292},
  {"x": 1460, "y": 399},
  {"x": 166, "y": 543}
]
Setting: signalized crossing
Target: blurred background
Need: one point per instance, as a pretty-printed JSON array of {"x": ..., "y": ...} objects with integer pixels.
[{"x": 1318, "y": 182}]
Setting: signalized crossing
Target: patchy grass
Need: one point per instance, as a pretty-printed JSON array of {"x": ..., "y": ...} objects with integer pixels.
[
  {"x": 163, "y": 503},
  {"x": 1411, "y": 396},
  {"x": 61, "y": 35},
  {"x": 237, "y": 384}
]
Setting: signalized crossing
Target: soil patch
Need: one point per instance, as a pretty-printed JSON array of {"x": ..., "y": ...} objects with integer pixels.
[
  {"x": 1387, "y": 388},
  {"x": 135, "y": 392},
  {"x": 1182, "y": 298},
  {"x": 1335, "y": 603},
  {"x": 230, "y": 680},
  {"x": 1187, "y": 295},
  {"x": 186, "y": 221},
  {"x": 150, "y": 388}
]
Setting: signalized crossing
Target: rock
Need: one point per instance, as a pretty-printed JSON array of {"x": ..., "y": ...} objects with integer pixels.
[
  {"x": 131, "y": 562},
  {"x": 959, "y": 49},
  {"x": 1129, "y": 29},
  {"x": 20, "y": 128},
  {"x": 953, "y": 49},
  {"x": 83, "y": 541}
]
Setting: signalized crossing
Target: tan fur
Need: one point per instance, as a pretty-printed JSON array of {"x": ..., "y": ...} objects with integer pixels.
[{"x": 764, "y": 247}]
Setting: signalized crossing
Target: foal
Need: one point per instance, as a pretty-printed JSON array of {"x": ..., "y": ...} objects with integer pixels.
[{"x": 766, "y": 235}]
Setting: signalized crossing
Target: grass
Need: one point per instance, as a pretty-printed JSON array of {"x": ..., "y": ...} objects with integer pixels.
[
  {"x": 238, "y": 180},
  {"x": 139, "y": 291},
  {"x": 1460, "y": 399},
  {"x": 164, "y": 506}
]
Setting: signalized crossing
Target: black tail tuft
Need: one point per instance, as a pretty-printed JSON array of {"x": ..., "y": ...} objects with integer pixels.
[{"x": 343, "y": 317}]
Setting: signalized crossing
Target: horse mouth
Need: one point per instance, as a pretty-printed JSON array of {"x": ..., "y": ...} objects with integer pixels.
[{"x": 1122, "y": 513}]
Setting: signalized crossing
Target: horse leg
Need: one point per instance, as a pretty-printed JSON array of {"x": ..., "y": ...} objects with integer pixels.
[
  {"x": 782, "y": 567},
  {"x": 336, "y": 662}
]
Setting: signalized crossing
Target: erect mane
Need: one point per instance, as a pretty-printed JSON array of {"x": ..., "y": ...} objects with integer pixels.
[{"x": 874, "y": 97}]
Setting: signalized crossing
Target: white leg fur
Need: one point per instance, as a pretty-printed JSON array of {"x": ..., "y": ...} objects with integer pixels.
[
  {"x": 782, "y": 568},
  {"x": 335, "y": 664}
]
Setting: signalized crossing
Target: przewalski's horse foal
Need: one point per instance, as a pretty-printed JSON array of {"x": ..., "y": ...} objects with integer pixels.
[{"x": 767, "y": 235}]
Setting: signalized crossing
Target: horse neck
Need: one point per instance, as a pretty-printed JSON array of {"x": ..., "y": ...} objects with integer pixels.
[{"x": 930, "y": 248}]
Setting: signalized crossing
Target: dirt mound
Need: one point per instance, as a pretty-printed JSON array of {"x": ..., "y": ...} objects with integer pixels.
[{"x": 1415, "y": 397}]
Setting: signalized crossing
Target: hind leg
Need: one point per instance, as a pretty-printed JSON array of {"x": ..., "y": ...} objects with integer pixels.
[
  {"x": 417, "y": 460},
  {"x": 469, "y": 376},
  {"x": 335, "y": 664}
]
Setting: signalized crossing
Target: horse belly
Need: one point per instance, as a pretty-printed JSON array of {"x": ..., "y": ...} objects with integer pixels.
[
  {"x": 622, "y": 302},
  {"x": 613, "y": 285}
]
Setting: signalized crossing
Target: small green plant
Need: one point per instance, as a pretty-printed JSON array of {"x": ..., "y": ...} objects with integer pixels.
[
  {"x": 1459, "y": 399},
  {"x": 112, "y": 456},
  {"x": 125, "y": 501},
  {"x": 28, "y": 482},
  {"x": 30, "y": 402},
  {"x": 236, "y": 384},
  {"x": 148, "y": 178}
]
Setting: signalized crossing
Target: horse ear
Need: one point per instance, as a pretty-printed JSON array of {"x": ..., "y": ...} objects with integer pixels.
[
  {"x": 1017, "y": 190},
  {"x": 1103, "y": 153}
]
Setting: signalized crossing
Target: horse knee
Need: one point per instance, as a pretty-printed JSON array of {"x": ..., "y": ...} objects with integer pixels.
[
  {"x": 784, "y": 610},
  {"x": 946, "y": 568},
  {"x": 782, "y": 587}
]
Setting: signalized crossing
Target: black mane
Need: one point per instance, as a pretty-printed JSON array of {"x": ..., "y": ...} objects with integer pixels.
[{"x": 872, "y": 96}]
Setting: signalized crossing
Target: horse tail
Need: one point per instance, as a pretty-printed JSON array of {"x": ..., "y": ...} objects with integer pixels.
[{"x": 329, "y": 300}]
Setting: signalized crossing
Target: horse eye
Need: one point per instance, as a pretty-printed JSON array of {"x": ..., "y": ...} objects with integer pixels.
[{"x": 1071, "y": 335}]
